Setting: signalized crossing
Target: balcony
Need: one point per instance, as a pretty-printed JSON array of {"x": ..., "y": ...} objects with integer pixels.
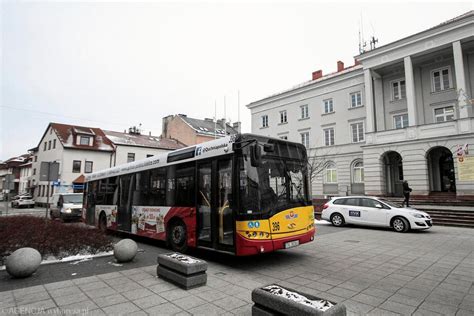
[{"x": 421, "y": 132}]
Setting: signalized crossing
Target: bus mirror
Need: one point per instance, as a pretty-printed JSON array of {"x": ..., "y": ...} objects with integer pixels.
[
  {"x": 255, "y": 155},
  {"x": 268, "y": 148}
]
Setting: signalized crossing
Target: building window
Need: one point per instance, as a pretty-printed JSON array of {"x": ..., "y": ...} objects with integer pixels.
[
  {"x": 36, "y": 158},
  {"x": 304, "y": 111},
  {"x": 358, "y": 172},
  {"x": 305, "y": 139},
  {"x": 398, "y": 90},
  {"x": 283, "y": 117},
  {"x": 400, "y": 120},
  {"x": 49, "y": 145},
  {"x": 441, "y": 79},
  {"x": 264, "y": 120},
  {"x": 130, "y": 157},
  {"x": 85, "y": 140},
  {"x": 329, "y": 136},
  {"x": 444, "y": 114},
  {"x": 331, "y": 173},
  {"x": 284, "y": 137},
  {"x": 328, "y": 106},
  {"x": 357, "y": 130},
  {"x": 45, "y": 146},
  {"x": 356, "y": 99},
  {"x": 76, "y": 166},
  {"x": 34, "y": 171},
  {"x": 54, "y": 144},
  {"x": 88, "y": 166}
]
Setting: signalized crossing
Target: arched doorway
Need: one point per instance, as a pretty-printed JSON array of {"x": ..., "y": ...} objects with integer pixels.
[
  {"x": 441, "y": 170},
  {"x": 393, "y": 173}
]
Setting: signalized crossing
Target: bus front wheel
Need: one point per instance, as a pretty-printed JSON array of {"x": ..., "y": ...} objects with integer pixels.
[{"x": 177, "y": 236}]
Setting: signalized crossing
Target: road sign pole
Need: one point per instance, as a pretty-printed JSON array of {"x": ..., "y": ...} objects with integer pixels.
[{"x": 47, "y": 191}]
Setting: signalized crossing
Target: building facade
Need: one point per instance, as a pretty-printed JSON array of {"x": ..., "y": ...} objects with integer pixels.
[
  {"x": 403, "y": 111},
  {"x": 80, "y": 150},
  {"x": 191, "y": 131}
]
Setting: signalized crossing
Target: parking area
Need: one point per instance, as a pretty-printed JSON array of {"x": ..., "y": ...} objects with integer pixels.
[{"x": 373, "y": 271}]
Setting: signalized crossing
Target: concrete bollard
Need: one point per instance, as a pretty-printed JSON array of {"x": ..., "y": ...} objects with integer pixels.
[
  {"x": 23, "y": 262},
  {"x": 125, "y": 250},
  {"x": 184, "y": 271},
  {"x": 278, "y": 300}
]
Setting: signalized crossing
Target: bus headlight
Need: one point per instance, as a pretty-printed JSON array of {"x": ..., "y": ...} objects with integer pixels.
[{"x": 68, "y": 210}]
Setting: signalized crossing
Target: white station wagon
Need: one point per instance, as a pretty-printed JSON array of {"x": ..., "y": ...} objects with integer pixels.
[{"x": 373, "y": 211}]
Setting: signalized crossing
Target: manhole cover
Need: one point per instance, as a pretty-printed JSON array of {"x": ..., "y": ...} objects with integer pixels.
[{"x": 352, "y": 241}]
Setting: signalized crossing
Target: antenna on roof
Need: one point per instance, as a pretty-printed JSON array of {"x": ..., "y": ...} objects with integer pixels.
[
  {"x": 215, "y": 119},
  {"x": 362, "y": 43},
  {"x": 225, "y": 112}
]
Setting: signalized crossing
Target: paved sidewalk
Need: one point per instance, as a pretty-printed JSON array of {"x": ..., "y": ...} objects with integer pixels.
[{"x": 373, "y": 271}]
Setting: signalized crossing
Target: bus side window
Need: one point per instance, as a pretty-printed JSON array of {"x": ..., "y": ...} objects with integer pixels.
[
  {"x": 185, "y": 185},
  {"x": 157, "y": 187}
]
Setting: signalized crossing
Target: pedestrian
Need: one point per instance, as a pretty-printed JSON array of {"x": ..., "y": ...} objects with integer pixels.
[{"x": 406, "y": 193}]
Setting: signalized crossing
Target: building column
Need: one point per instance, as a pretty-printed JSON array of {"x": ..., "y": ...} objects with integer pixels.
[
  {"x": 410, "y": 91},
  {"x": 369, "y": 101},
  {"x": 460, "y": 80}
]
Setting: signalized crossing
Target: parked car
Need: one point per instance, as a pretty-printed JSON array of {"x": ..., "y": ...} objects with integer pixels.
[
  {"x": 23, "y": 201},
  {"x": 373, "y": 211},
  {"x": 66, "y": 206}
]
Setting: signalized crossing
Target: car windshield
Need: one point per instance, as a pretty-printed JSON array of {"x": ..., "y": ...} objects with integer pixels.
[
  {"x": 275, "y": 185},
  {"x": 389, "y": 203},
  {"x": 73, "y": 198}
]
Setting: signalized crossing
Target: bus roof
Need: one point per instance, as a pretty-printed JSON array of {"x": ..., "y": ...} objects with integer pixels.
[{"x": 217, "y": 147}]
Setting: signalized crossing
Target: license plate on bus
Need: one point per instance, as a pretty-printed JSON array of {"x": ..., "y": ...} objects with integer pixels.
[{"x": 292, "y": 244}]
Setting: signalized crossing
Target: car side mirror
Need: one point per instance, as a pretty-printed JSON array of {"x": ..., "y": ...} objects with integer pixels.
[{"x": 378, "y": 205}]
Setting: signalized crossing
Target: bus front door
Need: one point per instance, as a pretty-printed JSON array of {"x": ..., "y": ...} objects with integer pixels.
[{"x": 215, "y": 227}]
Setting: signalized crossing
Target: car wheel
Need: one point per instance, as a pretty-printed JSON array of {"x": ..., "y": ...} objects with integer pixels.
[
  {"x": 337, "y": 219},
  {"x": 177, "y": 236},
  {"x": 103, "y": 223},
  {"x": 400, "y": 225}
]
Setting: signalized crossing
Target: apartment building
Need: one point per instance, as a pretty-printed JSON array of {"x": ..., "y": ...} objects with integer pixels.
[
  {"x": 80, "y": 150},
  {"x": 403, "y": 111}
]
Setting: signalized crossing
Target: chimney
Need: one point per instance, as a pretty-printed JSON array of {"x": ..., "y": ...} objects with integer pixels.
[
  {"x": 356, "y": 62},
  {"x": 237, "y": 126},
  {"x": 340, "y": 66},
  {"x": 317, "y": 74},
  {"x": 164, "y": 125}
]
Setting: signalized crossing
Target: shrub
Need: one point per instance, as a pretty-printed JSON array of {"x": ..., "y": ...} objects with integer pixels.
[{"x": 49, "y": 237}]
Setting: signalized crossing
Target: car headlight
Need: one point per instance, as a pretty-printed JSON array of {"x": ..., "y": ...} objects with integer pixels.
[
  {"x": 417, "y": 215},
  {"x": 68, "y": 210}
]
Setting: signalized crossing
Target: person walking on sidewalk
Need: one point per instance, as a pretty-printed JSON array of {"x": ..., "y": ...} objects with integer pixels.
[{"x": 406, "y": 193}]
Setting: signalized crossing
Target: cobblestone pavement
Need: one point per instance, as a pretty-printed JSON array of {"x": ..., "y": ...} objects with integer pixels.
[{"x": 372, "y": 271}]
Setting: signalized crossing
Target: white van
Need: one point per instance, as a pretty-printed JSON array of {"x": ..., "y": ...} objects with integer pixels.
[{"x": 66, "y": 206}]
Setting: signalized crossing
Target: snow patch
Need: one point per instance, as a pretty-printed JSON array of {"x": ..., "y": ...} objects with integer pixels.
[
  {"x": 322, "y": 305},
  {"x": 321, "y": 222},
  {"x": 183, "y": 258},
  {"x": 115, "y": 264}
]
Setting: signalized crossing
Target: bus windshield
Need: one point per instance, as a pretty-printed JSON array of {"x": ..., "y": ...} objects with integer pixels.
[{"x": 275, "y": 185}]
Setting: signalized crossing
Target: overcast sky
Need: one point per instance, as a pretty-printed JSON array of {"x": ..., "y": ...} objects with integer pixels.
[{"x": 115, "y": 65}]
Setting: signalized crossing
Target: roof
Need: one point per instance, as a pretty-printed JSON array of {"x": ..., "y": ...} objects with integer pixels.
[
  {"x": 67, "y": 132},
  {"x": 461, "y": 17},
  {"x": 14, "y": 162},
  {"x": 208, "y": 127},
  {"x": 147, "y": 141},
  {"x": 80, "y": 179},
  {"x": 311, "y": 82}
]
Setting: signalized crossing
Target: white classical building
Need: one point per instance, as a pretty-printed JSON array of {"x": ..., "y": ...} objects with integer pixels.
[{"x": 403, "y": 111}]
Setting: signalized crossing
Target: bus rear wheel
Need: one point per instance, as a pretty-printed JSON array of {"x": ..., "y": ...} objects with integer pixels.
[{"x": 177, "y": 236}]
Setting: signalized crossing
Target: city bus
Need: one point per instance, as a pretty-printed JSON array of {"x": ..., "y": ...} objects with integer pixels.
[{"x": 242, "y": 194}]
